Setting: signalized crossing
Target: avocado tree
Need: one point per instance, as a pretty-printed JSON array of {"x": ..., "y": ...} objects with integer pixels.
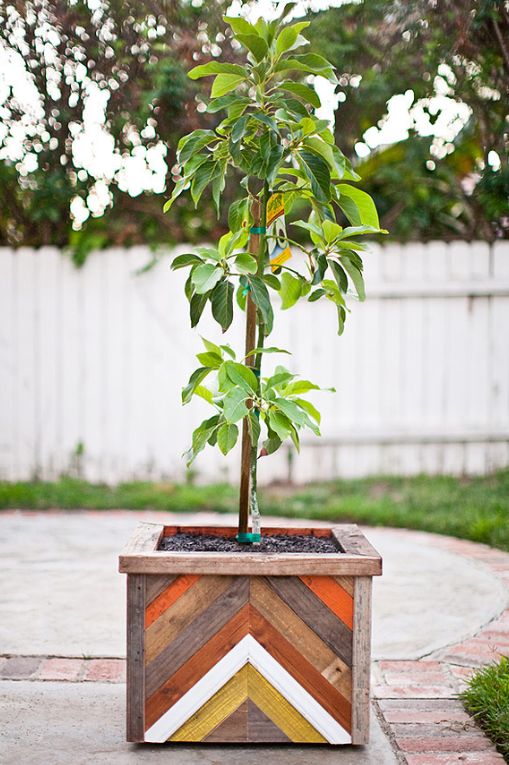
[{"x": 286, "y": 156}]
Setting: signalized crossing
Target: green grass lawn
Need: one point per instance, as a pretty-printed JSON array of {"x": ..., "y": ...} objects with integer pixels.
[
  {"x": 471, "y": 508},
  {"x": 487, "y": 699}
]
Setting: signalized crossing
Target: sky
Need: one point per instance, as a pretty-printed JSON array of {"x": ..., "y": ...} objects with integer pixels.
[{"x": 145, "y": 170}]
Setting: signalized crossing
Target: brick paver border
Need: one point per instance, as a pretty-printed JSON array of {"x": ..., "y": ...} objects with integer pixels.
[{"x": 416, "y": 701}]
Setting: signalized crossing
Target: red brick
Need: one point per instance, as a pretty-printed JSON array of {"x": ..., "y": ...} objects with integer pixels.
[
  {"x": 424, "y": 716},
  {"x": 20, "y": 667},
  {"x": 105, "y": 670},
  {"x": 416, "y": 678},
  {"x": 405, "y": 666},
  {"x": 60, "y": 669},
  {"x": 440, "y": 744},
  {"x": 413, "y": 692},
  {"x": 464, "y": 758}
]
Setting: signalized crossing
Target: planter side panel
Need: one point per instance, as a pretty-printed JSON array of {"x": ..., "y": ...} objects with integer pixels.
[{"x": 247, "y": 659}]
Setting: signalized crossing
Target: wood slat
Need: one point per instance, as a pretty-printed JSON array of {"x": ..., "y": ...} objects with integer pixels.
[
  {"x": 233, "y": 730},
  {"x": 155, "y": 584},
  {"x": 316, "y": 615},
  {"x": 145, "y": 539},
  {"x": 197, "y": 665},
  {"x": 346, "y": 582},
  {"x": 280, "y": 711},
  {"x": 301, "y": 670},
  {"x": 361, "y": 668},
  {"x": 196, "y": 634},
  {"x": 260, "y": 729},
  {"x": 231, "y": 531},
  {"x": 250, "y": 564},
  {"x": 222, "y": 704},
  {"x": 205, "y": 591},
  {"x": 333, "y": 595},
  {"x": 135, "y": 659},
  {"x": 353, "y": 542},
  {"x": 167, "y": 597},
  {"x": 297, "y": 632}
]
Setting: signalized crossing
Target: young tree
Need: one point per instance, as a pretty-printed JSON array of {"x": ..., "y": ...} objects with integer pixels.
[{"x": 286, "y": 155}]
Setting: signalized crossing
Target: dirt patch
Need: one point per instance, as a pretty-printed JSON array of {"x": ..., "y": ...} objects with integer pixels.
[{"x": 298, "y": 543}]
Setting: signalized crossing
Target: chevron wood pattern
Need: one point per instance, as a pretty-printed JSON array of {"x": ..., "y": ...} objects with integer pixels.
[
  {"x": 249, "y": 658},
  {"x": 213, "y": 643}
]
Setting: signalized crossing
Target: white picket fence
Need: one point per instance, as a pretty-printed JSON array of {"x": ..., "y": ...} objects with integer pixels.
[{"x": 93, "y": 361}]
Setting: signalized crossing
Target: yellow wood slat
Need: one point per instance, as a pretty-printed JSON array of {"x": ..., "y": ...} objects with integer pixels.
[
  {"x": 280, "y": 711},
  {"x": 226, "y": 701}
]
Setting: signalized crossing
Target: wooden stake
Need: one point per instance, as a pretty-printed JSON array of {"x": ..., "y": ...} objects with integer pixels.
[{"x": 254, "y": 244}]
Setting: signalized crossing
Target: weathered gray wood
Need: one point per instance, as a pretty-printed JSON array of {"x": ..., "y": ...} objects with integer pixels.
[
  {"x": 245, "y": 564},
  {"x": 154, "y": 585},
  {"x": 145, "y": 538},
  {"x": 233, "y": 730},
  {"x": 135, "y": 658},
  {"x": 260, "y": 729},
  {"x": 353, "y": 542},
  {"x": 361, "y": 667},
  {"x": 315, "y": 614}
]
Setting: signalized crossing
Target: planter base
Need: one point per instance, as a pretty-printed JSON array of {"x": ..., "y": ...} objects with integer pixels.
[{"x": 248, "y": 647}]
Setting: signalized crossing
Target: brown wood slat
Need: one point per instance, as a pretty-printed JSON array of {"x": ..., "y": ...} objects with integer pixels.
[
  {"x": 305, "y": 640},
  {"x": 154, "y": 585},
  {"x": 233, "y": 730},
  {"x": 260, "y": 729},
  {"x": 182, "y": 612},
  {"x": 145, "y": 539},
  {"x": 197, "y": 665},
  {"x": 315, "y": 614},
  {"x": 135, "y": 659},
  {"x": 361, "y": 660},
  {"x": 196, "y": 634},
  {"x": 353, "y": 541},
  {"x": 250, "y": 564},
  {"x": 230, "y": 531},
  {"x": 300, "y": 668}
]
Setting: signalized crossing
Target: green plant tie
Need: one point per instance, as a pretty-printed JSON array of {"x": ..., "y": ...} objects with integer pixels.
[
  {"x": 257, "y": 230},
  {"x": 246, "y": 538},
  {"x": 246, "y": 290}
]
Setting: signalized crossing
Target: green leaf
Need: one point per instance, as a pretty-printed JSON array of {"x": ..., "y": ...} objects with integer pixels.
[
  {"x": 240, "y": 26},
  {"x": 318, "y": 174},
  {"x": 192, "y": 143},
  {"x": 227, "y": 437},
  {"x": 280, "y": 424},
  {"x": 339, "y": 275},
  {"x": 204, "y": 175},
  {"x": 242, "y": 375},
  {"x": 205, "y": 277},
  {"x": 246, "y": 264},
  {"x": 253, "y": 424},
  {"x": 196, "y": 307},
  {"x": 288, "y": 36},
  {"x": 300, "y": 386},
  {"x": 255, "y": 44},
  {"x": 196, "y": 378},
  {"x": 204, "y": 393},
  {"x": 271, "y": 444},
  {"x": 238, "y": 215},
  {"x": 360, "y": 231},
  {"x": 212, "y": 347},
  {"x": 296, "y": 415},
  {"x": 225, "y": 83},
  {"x": 234, "y": 405},
  {"x": 260, "y": 297},
  {"x": 209, "y": 359},
  {"x": 201, "y": 435},
  {"x": 271, "y": 349},
  {"x": 291, "y": 290},
  {"x": 358, "y": 206},
  {"x": 181, "y": 261},
  {"x": 227, "y": 102},
  {"x": 331, "y": 230},
  {"x": 356, "y": 277},
  {"x": 304, "y": 92},
  {"x": 272, "y": 281},
  {"x": 215, "y": 67},
  {"x": 316, "y": 295},
  {"x": 309, "y": 408},
  {"x": 221, "y": 300}
]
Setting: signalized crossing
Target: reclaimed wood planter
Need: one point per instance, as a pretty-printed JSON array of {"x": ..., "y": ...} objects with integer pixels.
[{"x": 248, "y": 647}]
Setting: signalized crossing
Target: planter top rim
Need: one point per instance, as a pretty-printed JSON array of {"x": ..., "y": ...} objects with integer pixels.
[{"x": 357, "y": 557}]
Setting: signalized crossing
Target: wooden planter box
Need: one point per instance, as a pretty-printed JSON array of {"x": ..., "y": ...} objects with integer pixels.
[{"x": 248, "y": 647}]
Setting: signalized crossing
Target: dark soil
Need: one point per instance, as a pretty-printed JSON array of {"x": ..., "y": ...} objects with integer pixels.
[{"x": 270, "y": 544}]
